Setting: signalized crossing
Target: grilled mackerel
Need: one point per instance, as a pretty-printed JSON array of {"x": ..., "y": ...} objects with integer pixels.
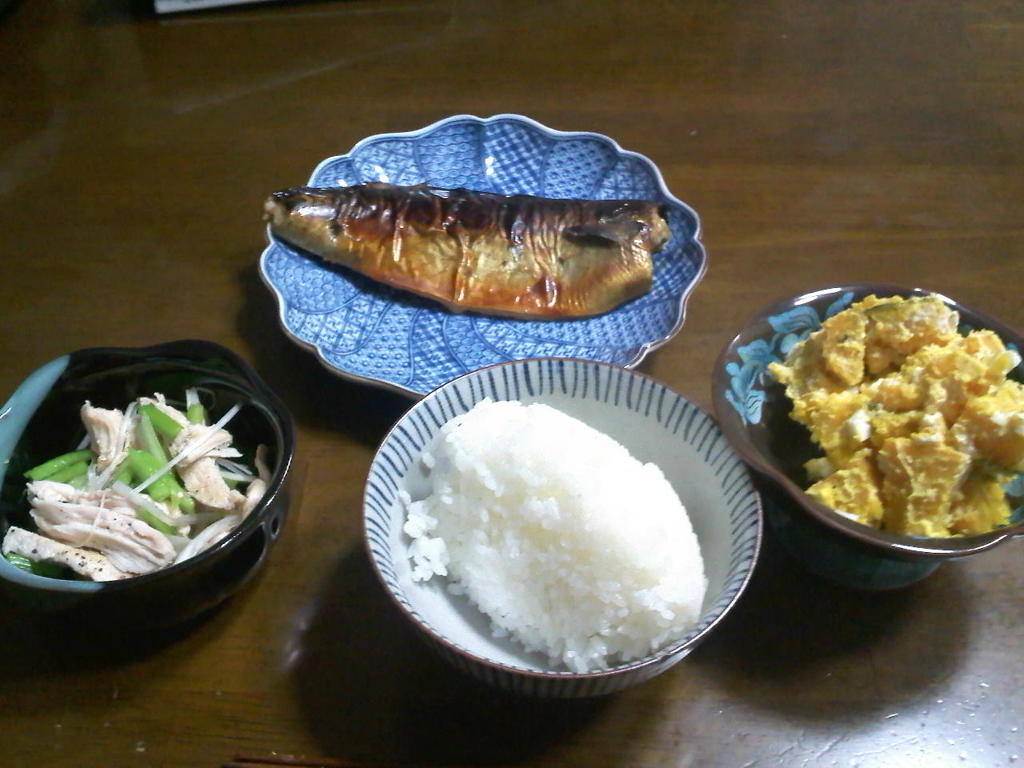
[{"x": 497, "y": 254}]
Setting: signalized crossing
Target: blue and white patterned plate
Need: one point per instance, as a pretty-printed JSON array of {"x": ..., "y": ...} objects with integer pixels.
[{"x": 372, "y": 333}]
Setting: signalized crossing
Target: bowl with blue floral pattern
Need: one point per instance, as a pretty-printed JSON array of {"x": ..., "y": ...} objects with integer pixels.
[
  {"x": 753, "y": 411},
  {"x": 371, "y": 333}
]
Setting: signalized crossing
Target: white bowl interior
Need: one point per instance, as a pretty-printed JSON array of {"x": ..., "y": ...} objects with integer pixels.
[{"x": 654, "y": 423}]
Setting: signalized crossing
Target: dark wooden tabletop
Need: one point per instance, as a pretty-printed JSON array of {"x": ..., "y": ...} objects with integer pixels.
[{"x": 821, "y": 143}]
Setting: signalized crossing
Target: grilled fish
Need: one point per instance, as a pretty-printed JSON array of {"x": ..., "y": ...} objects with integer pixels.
[{"x": 516, "y": 255}]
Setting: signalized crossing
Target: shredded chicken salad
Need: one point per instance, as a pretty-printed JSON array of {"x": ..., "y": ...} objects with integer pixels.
[{"x": 148, "y": 487}]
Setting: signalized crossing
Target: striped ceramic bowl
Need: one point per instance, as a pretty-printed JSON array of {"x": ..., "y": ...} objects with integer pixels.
[{"x": 654, "y": 423}]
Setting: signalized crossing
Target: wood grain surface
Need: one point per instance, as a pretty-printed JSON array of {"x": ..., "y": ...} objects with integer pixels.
[{"x": 820, "y": 142}]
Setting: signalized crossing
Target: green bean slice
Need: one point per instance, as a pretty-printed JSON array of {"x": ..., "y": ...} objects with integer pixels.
[{"x": 45, "y": 470}]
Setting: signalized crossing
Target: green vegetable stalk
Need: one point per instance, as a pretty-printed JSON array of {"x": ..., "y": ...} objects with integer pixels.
[
  {"x": 72, "y": 473},
  {"x": 19, "y": 561},
  {"x": 143, "y": 465},
  {"x": 152, "y": 520},
  {"x": 38, "y": 567},
  {"x": 163, "y": 423},
  {"x": 46, "y": 470},
  {"x": 123, "y": 474},
  {"x": 196, "y": 413},
  {"x": 148, "y": 439}
]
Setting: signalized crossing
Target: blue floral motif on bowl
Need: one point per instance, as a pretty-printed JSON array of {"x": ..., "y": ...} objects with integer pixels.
[{"x": 747, "y": 377}]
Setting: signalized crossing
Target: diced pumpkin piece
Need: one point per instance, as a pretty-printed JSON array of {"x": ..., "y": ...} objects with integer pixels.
[
  {"x": 981, "y": 506},
  {"x": 842, "y": 346},
  {"x": 838, "y": 422},
  {"x": 897, "y": 328},
  {"x": 854, "y": 489},
  {"x": 920, "y": 479},
  {"x": 993, "y": 426}
]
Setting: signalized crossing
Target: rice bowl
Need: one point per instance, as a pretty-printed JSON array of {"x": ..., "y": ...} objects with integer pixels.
[
  {"x": 564, "y": 540},
  {"x": 654, "y": 423}
]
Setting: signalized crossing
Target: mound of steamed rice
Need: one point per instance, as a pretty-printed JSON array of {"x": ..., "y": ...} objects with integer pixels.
[{"x": 564, "y": 540}]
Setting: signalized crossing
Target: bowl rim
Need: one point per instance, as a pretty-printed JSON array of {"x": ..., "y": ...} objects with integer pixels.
[
  {"x": 258, "y": 389},
  {"x": 511, "y": 117},
  {"x": 902, "y": 546},
  {"x": 678, "y": 649}
]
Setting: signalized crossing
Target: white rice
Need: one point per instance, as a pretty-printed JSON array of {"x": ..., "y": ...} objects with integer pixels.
[{"x": 562, "y": 538}]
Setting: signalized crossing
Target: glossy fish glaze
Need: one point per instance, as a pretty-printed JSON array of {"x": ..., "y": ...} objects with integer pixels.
[{"x": 499, "y": 254}]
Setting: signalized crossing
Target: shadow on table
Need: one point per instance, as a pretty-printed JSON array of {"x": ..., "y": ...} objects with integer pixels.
[
  {"x": 316, "y": 396},
  {"x": 802, "y": 645},
  {"x": 370, "y": 689},
  {"x": 38, "y": 646}
]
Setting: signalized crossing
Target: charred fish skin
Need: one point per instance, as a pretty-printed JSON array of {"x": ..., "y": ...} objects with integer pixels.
[{"x": 516, "y": 255}]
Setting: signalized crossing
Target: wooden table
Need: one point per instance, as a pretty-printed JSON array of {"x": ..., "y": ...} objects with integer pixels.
[{"x": 820, "y": 142}]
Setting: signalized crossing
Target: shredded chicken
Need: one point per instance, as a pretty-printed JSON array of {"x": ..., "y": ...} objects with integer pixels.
[
  {"x": 84, "y": 562},
  {"x": 203, "y": 480},
  {"x": 106, "y": 530},
  {"x": 201, "y": 441},
  {"x": 48, "y": 490},
  {"x": 108, "y": 498},
  {"x": 199, "y": 471},
  {"x": 260, "y": 460},
  {"x": 115, "y": 531},
  {"x": 107, "y": 434},
  {"x": 257, "y": 487},
  {"x": 253, "y": 494}
]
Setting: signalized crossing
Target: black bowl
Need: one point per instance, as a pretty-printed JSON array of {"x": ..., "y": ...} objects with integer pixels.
[
  {"x": 41, "y": 420},
  {"x": 753, "y": 411}
]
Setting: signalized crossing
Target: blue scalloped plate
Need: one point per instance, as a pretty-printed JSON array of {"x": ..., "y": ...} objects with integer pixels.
[{"x": 371, "y": 333}]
